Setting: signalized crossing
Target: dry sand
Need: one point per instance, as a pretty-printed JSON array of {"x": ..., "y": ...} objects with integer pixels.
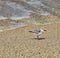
[{"x": 19, "y": 43}]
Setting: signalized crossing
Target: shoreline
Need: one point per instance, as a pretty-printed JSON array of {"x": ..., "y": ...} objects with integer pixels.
[{"x": 20, "y": 26}]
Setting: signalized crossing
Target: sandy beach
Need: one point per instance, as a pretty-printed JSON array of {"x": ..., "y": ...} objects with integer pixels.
[
  {"x": 18, "y": 17},
  {"x": 19, "y": 43}
]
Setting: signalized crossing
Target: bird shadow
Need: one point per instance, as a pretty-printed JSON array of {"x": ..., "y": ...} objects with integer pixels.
[{"x": 39, "y": 38}]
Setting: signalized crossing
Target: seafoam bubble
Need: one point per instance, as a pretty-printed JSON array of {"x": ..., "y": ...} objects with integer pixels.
[
  {"x": 18, "y": 18},
  {"x": 3, "y": 18}
]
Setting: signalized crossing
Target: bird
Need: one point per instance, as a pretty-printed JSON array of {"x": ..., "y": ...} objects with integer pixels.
[{"x": 38, "y": 32}]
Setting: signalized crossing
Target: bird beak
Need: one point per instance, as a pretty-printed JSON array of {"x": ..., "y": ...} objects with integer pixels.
[{"x": 44, "y": 30}]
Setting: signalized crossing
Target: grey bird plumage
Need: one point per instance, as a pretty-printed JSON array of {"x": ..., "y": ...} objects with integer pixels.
[{"x": 38, "y": 32}]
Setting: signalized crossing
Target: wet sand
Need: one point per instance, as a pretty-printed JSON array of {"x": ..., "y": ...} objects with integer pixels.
[{"x": 19, "y": 43}]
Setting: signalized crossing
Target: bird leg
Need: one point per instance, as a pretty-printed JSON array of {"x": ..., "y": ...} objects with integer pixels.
[{"x": 37, "y": 36}]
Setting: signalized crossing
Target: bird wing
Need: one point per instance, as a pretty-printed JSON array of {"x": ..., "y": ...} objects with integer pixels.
[{"x": 35, "y": 31}]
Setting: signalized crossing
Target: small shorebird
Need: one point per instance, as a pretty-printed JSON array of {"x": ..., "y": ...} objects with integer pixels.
[{"x": 38, "y": 32}]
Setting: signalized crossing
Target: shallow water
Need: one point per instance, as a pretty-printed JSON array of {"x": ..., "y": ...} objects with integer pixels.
[
  {"x": 24, "y": 10},
  {"x": 13, "y": 10}
]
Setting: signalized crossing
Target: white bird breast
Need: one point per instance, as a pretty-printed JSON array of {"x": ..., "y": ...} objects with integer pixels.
[{"x": 40, "y": 32}]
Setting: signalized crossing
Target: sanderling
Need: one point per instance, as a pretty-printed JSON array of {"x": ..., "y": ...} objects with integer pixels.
[{"x": 38, "y": 32}]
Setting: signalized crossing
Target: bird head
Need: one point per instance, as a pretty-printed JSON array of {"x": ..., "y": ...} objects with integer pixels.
[{"x": 43, "y": 30}]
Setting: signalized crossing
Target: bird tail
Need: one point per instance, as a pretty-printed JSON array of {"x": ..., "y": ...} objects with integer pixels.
[{"x": 30, "y": 31}]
